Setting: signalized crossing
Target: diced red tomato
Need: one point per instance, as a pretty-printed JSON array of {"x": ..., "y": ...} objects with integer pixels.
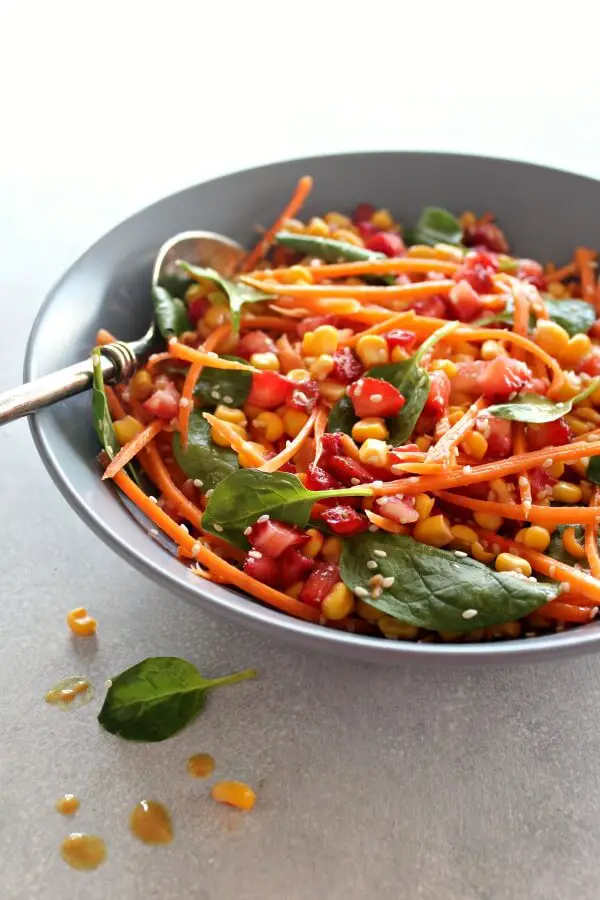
[
  {"x": 486, "y": 235},
  {"x": 254, "y": 342},
  {"x": 504, "y": 376},
  {"x": 263, "y": 569},
  {"x": 313, "y": 322},
  {"x": 321, "y": 581},
  {"x": 304, "y": 396},
  {"x": 464, "y": 301},
  {"x": 548, "y": 434},
  {"x": 387, "y": 242},
  {"x": 362, "y": 213},
  {"x": 398, "y": 509},
  {"x": 439, "y": 394},
  {"x": 466, "y": 380},
  {"x": 197, "y": 308},
  {"x": 591, "y": 363},
  {"x": 531, "y": 271},
  {"x": 344, "y": 520},
  {"x": 269, "y": 390},
  {"x": 318, "y": 479},
  {"x": 499, "y": 437},
  {"x": 374, "y": 397},
  {"x": 540, "y": 385},
  {"x": 434, "y": 306},
  {"x": 332, "y": 444},
  {"x": 346, "y": 366},
  {"x": 164, "y": 402},
  {"x": 367, "y": 230},
  {"x": 477, "y": 269},
  {"x": 349, "y": 471},
  {"x": 293, "y": 566},
  {"x": 272, "y": 538},
  {"x": 541, "y": 483},
  {"x": 400, "y": 338}
]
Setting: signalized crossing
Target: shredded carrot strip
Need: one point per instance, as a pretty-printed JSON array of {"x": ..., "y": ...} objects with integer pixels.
[
  {"x": 386, "y": 524},
  {"x": 187, "y": 395},
  {"x": 361, "y": 292},
  {"x": 114, "y": 404},
  {"x": 303, "y": 189},
  {"x": 328, "y": 306},
  {"x": 369, "y": 267},
  {"x": 584, "y": 259},
  {"x": 320, "y": 429},
  {"x": 591, "y": 539},
  {"x": 236, "y": 441},
  {"x": 560, "y": 274},
  {"x": 272, "y": 465},
  {"x": 133, "y": 447},
  {"x": 419, "y": 467},
  {"x": 567, "y": 612},
  {"x": 521, "y": 314},
  {"x": 206, "y": 557},
  {"x": 401, "y": 320},
  {"x": 519, "y": 448},
  {"x": 540, "y": 515},
  {"x": 581, "y": 583},
  {"x": 182, "y": 351},
  {"x": 456, "y": 434},
  {"x": 156, "y": 359},
  {"x": 270, "y": 323},
  {"x": 104, "y": 337},
  {"x": 161, "y": 477}
]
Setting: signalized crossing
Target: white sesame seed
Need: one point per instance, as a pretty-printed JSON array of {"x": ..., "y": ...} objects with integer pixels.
[
  {"x": 371, "y": 564},
  {"x": 185, "y": 529},
  {"x": 358, "y": 390},
  {"x": 381, "y": 553},
  {"x": 184, "y": 402},
  {"x": 469, "y": 614},
  {"x": 152, "y": 357},
  {"x": 217, "y": 527},
  {"x": 108, "y": 683},
  {"x": 467, "y": 470},
  {"x": 523, "y": 481},
  {"x": 198, "y": 483},
  {"x": 593, "y": 612},
  {"x": 255, "y": 554},
  {"x": 460, "y": 553},
  {"x": 152, "y": 499},
  {"x": 565, "y": 587},
  {"x": 212, "y": 354},
  {"x": 591, "y": 438},
  {"x": 376, "y": 398},
  {"x": 552, "y": 571},
  {"x": 381, "y": 501},
  {"x": 209, "y": 494},
  {"x": 377, "y": 484},
  {"x": 215, "y": 394},
  {"x": 388, "y": 582},
  {"x": 373, "y": 528},
  {"x": 361, "y": 592},
  {"x": 172, "y": 340},
  {"x": 248, "y": 530},
  {"x": 532, "y": 578},
  {"x": 196, "y": 548},
  {"x": 227, "y": 399},
  {"x": 355, "y": 481},
  {"x": 262, "y": 519},
  {"x": 547, "y": 463}
]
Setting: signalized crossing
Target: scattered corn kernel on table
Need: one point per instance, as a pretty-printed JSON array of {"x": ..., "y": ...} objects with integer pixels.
[{"x": 465, "y": 785}]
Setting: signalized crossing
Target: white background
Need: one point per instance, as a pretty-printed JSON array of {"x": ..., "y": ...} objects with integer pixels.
[{"x": 465, "y": 786}]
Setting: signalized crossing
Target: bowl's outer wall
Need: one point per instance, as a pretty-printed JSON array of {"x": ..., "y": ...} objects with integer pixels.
[{"x": 545, "y": 214}]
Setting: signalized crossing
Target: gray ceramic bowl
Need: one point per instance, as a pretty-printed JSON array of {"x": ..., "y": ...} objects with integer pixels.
[{"x": 544, "y": 212}]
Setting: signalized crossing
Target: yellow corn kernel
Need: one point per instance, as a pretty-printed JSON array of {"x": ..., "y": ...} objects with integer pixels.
[
  {"x": 444, "y": 365},
  {"x": 315, "y": 543},
  {"x": 331, "y": 551},
  {"x": 489, "y": 521},
  {"x": 233, "y": 793},
  {"x": 423, "y": 443},
  {"x": 80, "y": 623},
  {"x": 434, "y": 531},
  {"x": 293, "y": 225},
  {"x": 367, "y": 612},
  {"x": 296, "y": 275},
  {"x": 556, "y": 469},
  {"x": 332, "y": 391},
  {"x": 479, "y": 552},
  {"x": 270, "y": 425},
  {"x": 587, "y": 490},
  {"x": 564, "y": 492},
  {"x": 298, "y": 375},
  {"x": 222, "y": 441},
  {"x": 268, "y": 361},
  {"x": 338, "y": 603},
  {"x": 588, "y": 414},
  {"x": 520, "y": 535},
  {"x": 501, "y": 490},
  {"x": 141, "y": 385},
  {"x": 293, "y": 421},
  {"x": 323, "y": 339},
  {"x": 504, "y": 630},
  {"x": 462, "y": 536},
  {"x": 550, "y": 337},
  {"x": 399, "y": 354},
  {"x": 126, "y": 429},
  {"x": 372, "y": 350},
  {"x": 572, "y": 545},
  {"x": 475, "y": 445},
  {"x": 245, "y": 460},
  {"x": 318, "y": 227},
  {"x": 374, "y": 453},
  {"x": 508, "y": 562},
  {"x": 382, "y": 219},
  {"x": 374, "y": 428},
  {"x": 395, "y": 630},
  {"x": 577, "y": 349},
  {"x": 536, "y": 538},
  {"x": 338, "y": 220},
  {"x": 231, "y": 415},
  {"x": 322, "y": 367},
  {"x": 348, "y": 237},
  {"x": 455, "y": 415},
  {"x": 490, "y": 349},
  {"x": 295, "y": 589},
  {"x": 578, "y": 426},
  {"x": 423, "y": 505},
  {"x": 215, "y": 316},
  {"x": 570, "y": 387},
  {"x": 467, "y": 219}
]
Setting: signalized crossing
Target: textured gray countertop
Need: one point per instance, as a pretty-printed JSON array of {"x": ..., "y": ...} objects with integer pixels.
[{"x": 461, "y": 785}]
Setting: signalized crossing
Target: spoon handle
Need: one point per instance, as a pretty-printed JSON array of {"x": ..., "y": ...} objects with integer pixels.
[{"x": 118, "y": 362}]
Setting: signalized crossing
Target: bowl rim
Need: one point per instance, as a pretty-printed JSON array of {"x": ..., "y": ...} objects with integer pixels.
[{"x": 304, "y": 634}]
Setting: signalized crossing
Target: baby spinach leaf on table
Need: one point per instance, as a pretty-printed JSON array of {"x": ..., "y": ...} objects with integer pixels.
[
  {"x": 242, "y": 498},
  {"x": 158, "y": 697},
  {"x": 103, "y": 424},
  {"x": 342, "y": 416},
  {"x": 203, "y": 459},
  {"x": 226, "y": 386},
  {"x": 436, "y": 226},
  {"x": 535, "y": 409},
  {"x": 432, "y": 588},
  {"x": 237, "y": 292},
  {"x": 170, "y": 313}
]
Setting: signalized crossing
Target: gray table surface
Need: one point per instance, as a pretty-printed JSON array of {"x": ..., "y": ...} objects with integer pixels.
[{"x": 462, "y": 785}]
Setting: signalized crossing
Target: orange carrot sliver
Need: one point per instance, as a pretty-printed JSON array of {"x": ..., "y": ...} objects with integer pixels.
[
  {"x": 456, "y": 434},
  {"x": 591, "y": 539},
  {"x": 186, "y": 403},
  {"x": 567, "y": 612},
  {"x": 386, "y": 524},
  {"x": 369, "y": 267},
  {"x": 560, "y": 274},
  {"x": 584, "y": 260},
  {"x": 272, "y": 465},
  {"x": 162, "y": 479},
  {"x": 182, "y": 351},
  {"x": 361, "y": 292},
  {"x": 114, "y": 404},
  {"x": 303, "y": 189},
  {"x": 133, "y": 447},
  {"x": 539, "y": 515},
  {"x": 519, "y": 448},
  {"x": 104, "y": 337}
]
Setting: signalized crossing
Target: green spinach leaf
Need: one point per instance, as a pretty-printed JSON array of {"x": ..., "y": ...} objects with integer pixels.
[
  {"x": 158, "y": 697},
  {"x": 437, "y": 226},
  {"x": 224, "y": 386},
  {"x": 103, "y": 424},
  {"x": 575, "y": 316},
  {"x": 593, "y": 470},
  {"x": 342, "y": 416},
  {"x": 236, "y": 292},
  {"x": 325, "y": 248},
  {"x": 434, "y": 589},
  {"x": 242, "y": 498},
  {"x": 535, "y": 409},
  {"x": 203, "y": 459},
  {"x": 170, "y": 313}
]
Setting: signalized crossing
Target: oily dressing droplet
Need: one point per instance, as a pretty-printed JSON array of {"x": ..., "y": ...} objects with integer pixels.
[
  {"x": 201, "y": 765},
  {"x": 70, "y": 693},
  {"x": 150, "y": 822},
  {"x": 67, "y": 805},
  {"x": 83, "y": 851}
]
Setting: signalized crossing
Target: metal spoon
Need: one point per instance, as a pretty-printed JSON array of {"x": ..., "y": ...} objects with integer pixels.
[{"x": 120, "y": 359}]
